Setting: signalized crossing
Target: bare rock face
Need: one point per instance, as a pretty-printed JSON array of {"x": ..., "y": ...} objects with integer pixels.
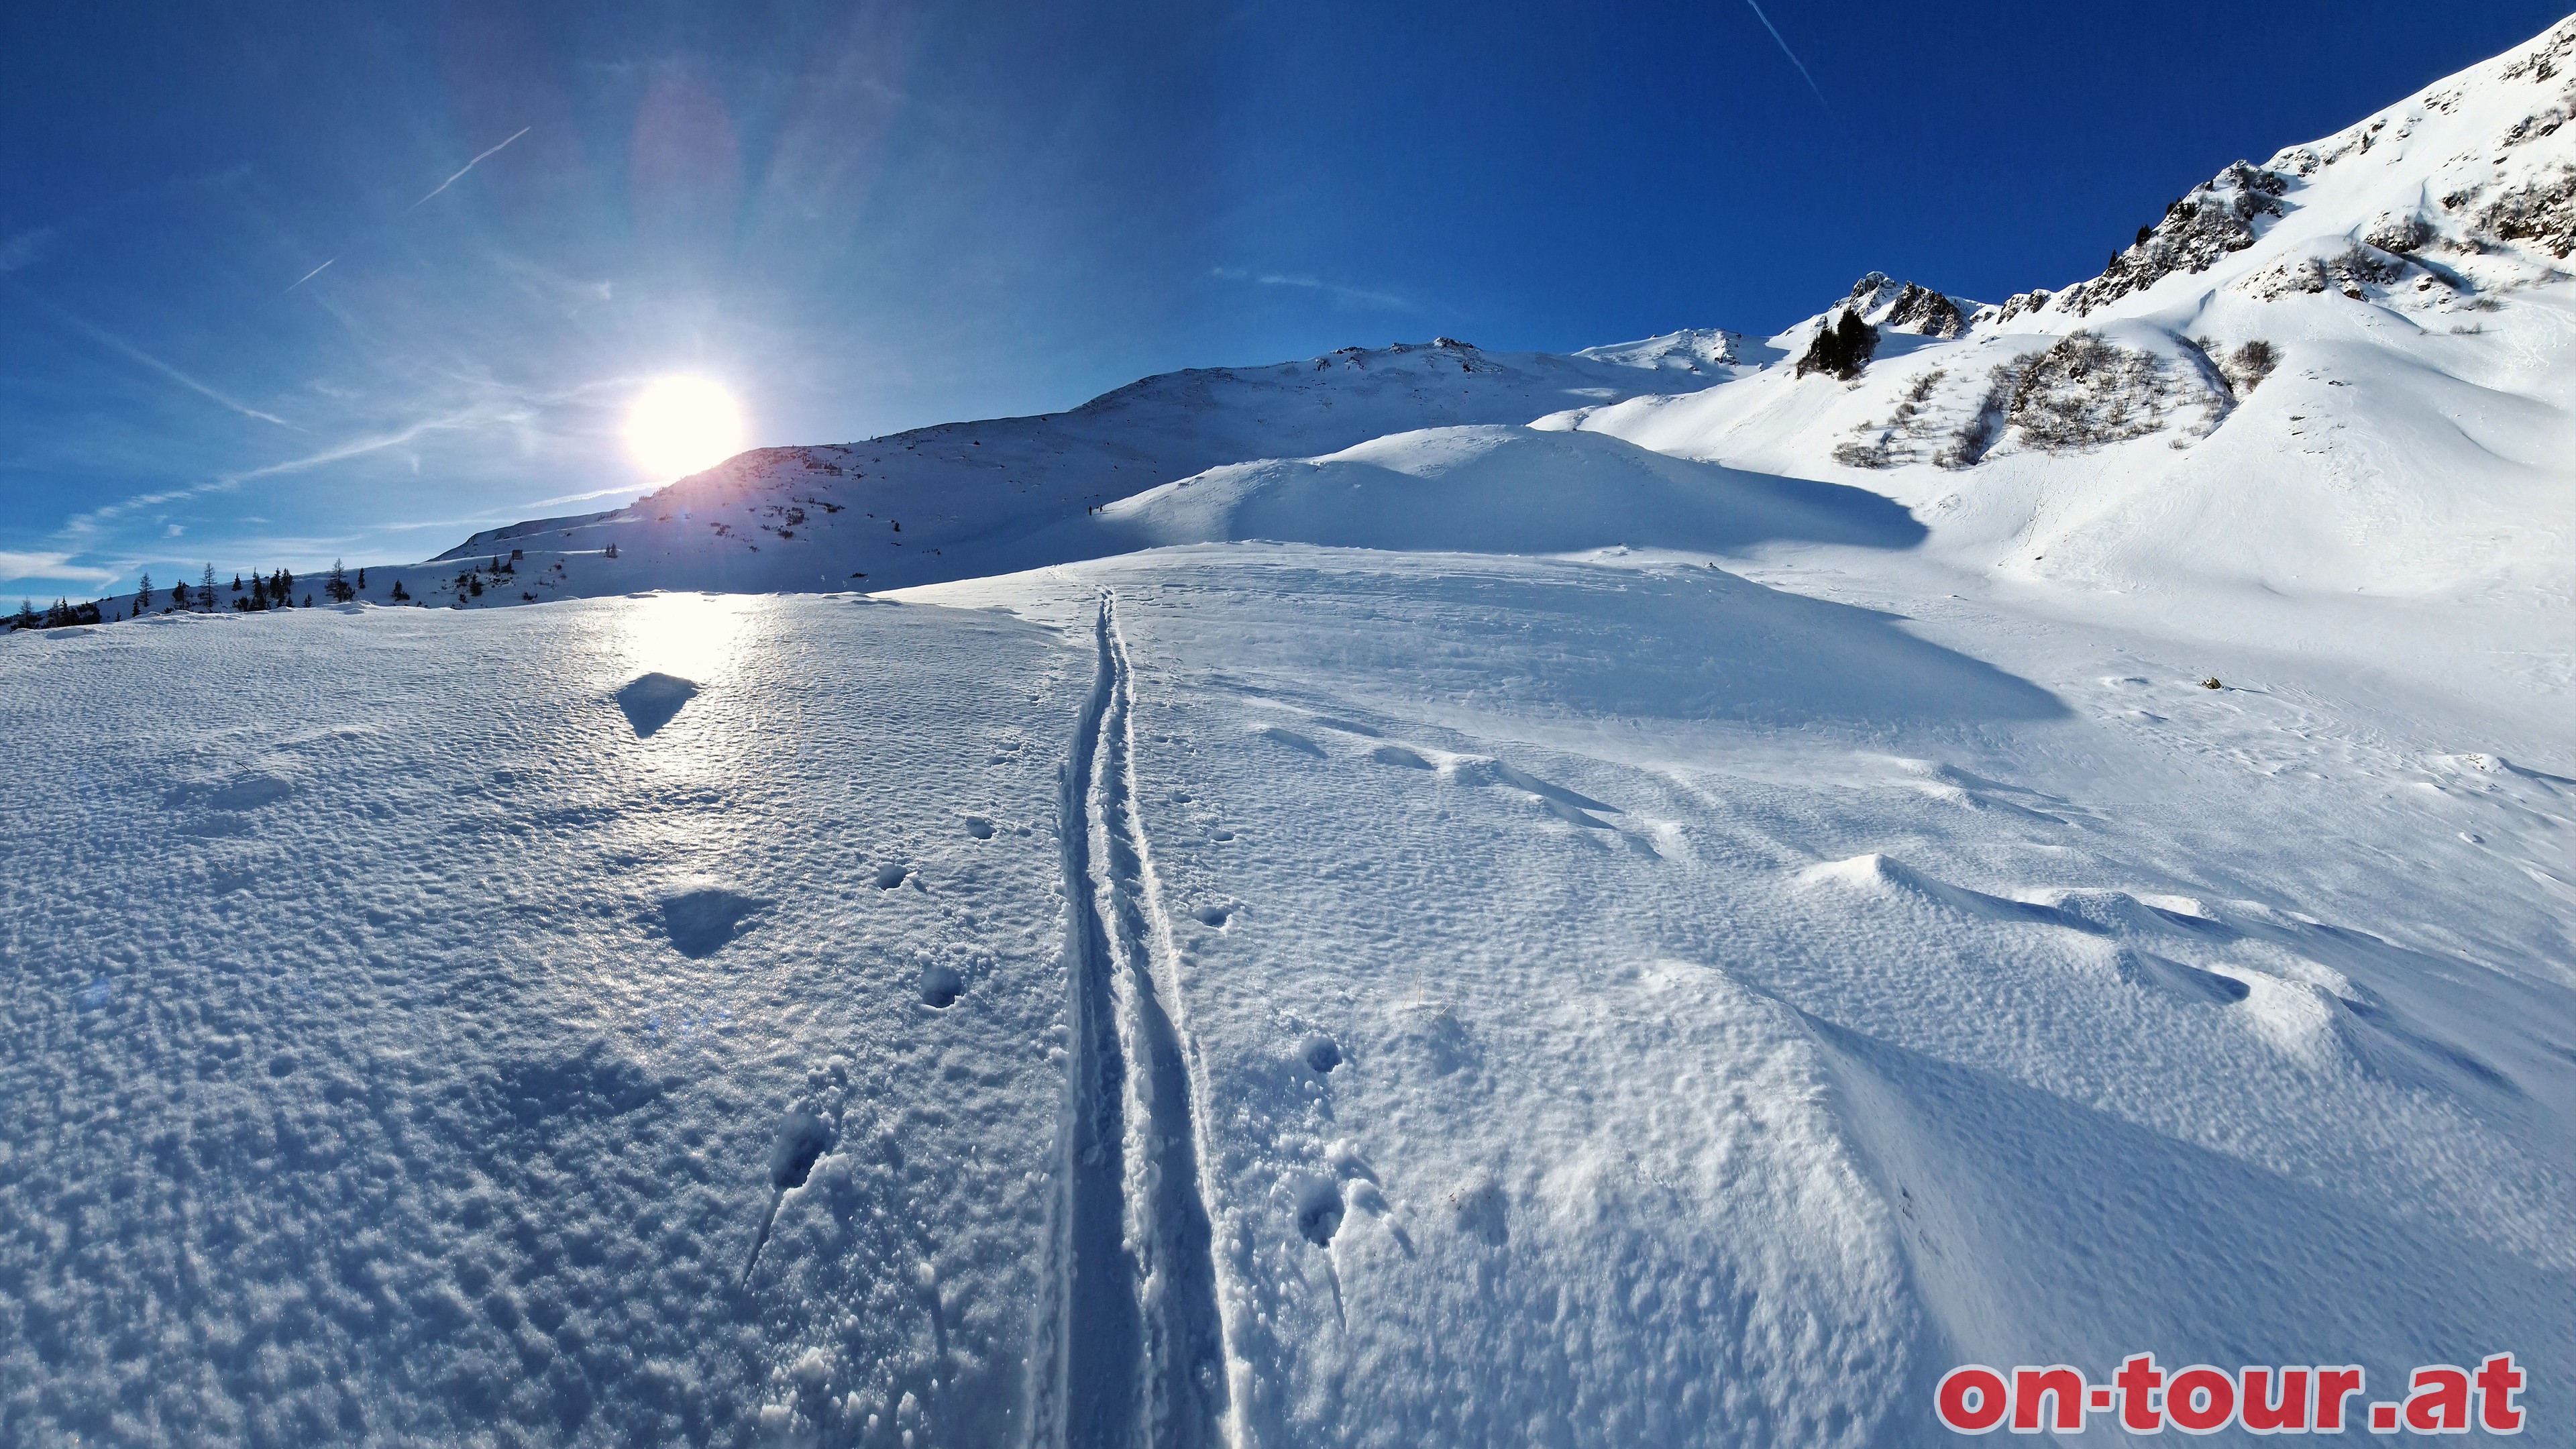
[
  {"x": 2541, "y": 212},
  {"x": 1906, "y": 307},
  {"x": 2225, "y": 215},
  {"x": 1925, "y": 312}
]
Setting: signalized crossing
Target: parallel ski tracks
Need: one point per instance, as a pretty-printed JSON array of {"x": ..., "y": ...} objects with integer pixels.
[{"x": 1131, "y": 1354}]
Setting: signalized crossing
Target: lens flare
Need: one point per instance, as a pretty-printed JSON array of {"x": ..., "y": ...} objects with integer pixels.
[{"x": 680, "y": 425}]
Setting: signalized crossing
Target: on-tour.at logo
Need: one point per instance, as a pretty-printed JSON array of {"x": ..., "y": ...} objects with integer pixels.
[{"x": 2203, "y": 1399}]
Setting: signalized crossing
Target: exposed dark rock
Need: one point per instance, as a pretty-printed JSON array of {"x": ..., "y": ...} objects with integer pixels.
[
  {"x": 1926, "y": 312},
  {"x": 1842, "y": 347},
  {"x": 2196, "y": 231}
]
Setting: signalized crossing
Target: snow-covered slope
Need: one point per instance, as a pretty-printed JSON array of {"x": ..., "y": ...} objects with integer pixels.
[
  {"x": 466, "y": 1041},
  {"x": 1481, "y": 489},
  {"x": 1435, "y": 995},
  {"x": 2408, "y": 432},
  {"x": 947, "y": 502}
]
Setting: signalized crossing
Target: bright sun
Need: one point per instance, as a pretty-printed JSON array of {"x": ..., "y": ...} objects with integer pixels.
[{"x": 682, "y": 424}]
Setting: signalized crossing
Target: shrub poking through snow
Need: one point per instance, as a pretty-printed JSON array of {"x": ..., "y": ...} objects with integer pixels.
[
  {"x": 1985, "y": 427},
  {"x": 2250, "y": 364},
  {"x": 1901, "y": 437},
  {"x": 2542, "y": 213},
  {"x": 2085, "y": 392}
]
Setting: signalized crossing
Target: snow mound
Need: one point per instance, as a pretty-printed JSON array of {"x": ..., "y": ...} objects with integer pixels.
[{"x": 1503, "y": 490}]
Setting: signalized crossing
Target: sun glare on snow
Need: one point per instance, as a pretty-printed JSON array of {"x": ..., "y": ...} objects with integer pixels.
[{"x": 682, "y": 424}]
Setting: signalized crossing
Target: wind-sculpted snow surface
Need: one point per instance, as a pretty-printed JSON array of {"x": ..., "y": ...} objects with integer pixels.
[
  {"x": 1642, "y": 1007},
  {"x": 399, "y": 1049},
  {"x": 1328, "y": 996}
]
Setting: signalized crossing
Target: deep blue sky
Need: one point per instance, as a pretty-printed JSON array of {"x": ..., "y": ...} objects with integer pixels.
[{"x": 871, "y": 217}]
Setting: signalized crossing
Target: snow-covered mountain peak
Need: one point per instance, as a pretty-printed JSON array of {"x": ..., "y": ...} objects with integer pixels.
[
  {"x": 2467, "y": 186},
  {"x": 1893, "y": 306},
  {"x": 1712, "y": 352},
  {"x": 2348, "y": 368}
]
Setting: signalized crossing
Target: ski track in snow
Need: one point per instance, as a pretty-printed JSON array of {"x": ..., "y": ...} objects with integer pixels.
[{"x": 1142, "y": 1348}]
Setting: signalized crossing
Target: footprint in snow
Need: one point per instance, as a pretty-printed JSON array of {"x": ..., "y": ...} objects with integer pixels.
[
  {"x": 940, "y": 987},
  {"x": 1482, "y": 1210},
  {"x": 700, "y": 922},
  {"x": 240, "y": 793},
  {"x": 1319, "y": 1210},
  {"x": 1320, "y": 1053}
]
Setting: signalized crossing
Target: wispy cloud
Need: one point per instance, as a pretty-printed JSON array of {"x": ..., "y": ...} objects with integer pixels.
[
  {"x": 1347, "y": 296},
  {"x": 128, "y": 350},
  {"x": 461, "y": 170},
  {"x": 359, "y": 447},
  {"x": 83, "y": 524},
  {"x": 586, "y": 497},
  {"x": 50, "y": 568},
  {"x": 1785, "y": 50},
  {"x": 24, "y": 247}
]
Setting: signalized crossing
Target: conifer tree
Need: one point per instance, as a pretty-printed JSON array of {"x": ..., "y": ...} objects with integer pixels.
[
  {"x": 362, "y": 576},
  {"x": 25, "y": 618},
  {"x": 206, "y": 589},
  {"x": 337, "y": 586},
  {"x": 142, "y": 595},
  {"x": 179, "y": 594},
  {"x": 1842, "y": 348}
]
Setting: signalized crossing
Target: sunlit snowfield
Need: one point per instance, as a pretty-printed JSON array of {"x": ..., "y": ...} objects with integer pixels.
[
  {"x": 1413, "y": 897},
  {"x": 1596, "y": 1000}
]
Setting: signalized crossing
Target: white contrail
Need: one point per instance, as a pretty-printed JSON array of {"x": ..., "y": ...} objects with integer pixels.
[
  {"x": 1775, "y": 35},
  {"x": 114, "y": 343},
  {"x": 359, "y": 447},
  {"x": 523, "y": 130},
  {"x": 308, "y": 276}
]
